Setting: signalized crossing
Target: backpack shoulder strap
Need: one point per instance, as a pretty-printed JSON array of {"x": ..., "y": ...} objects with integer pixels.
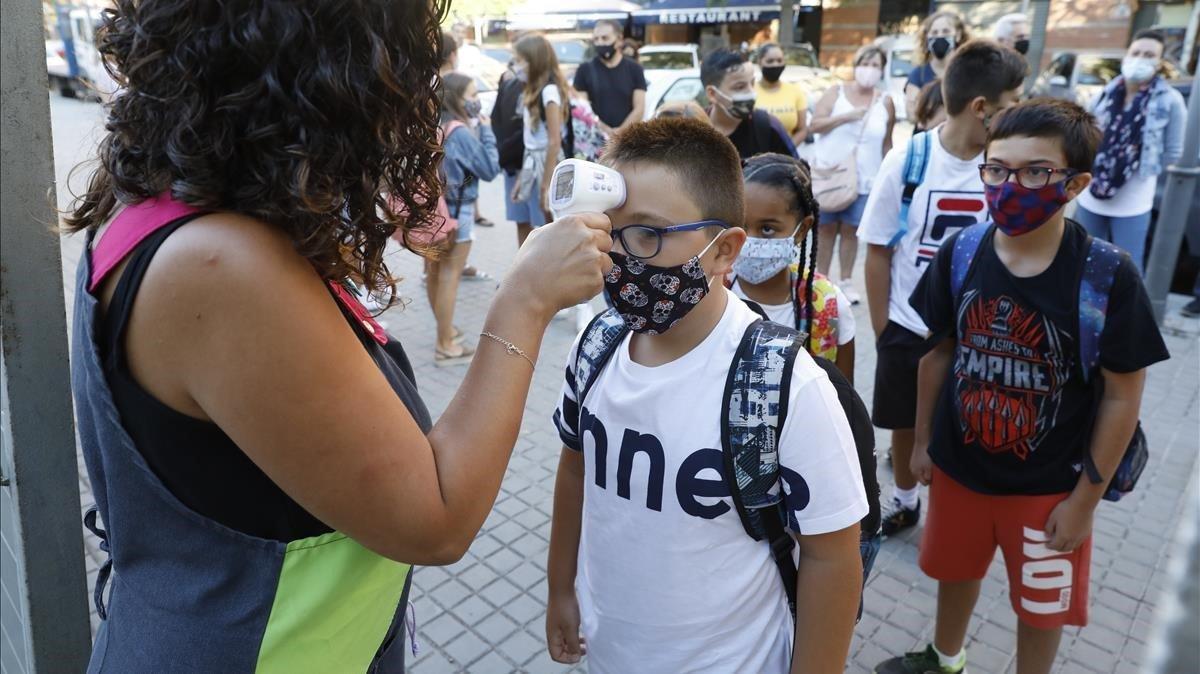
[
  {"x": 756, "y": 401},
  {"x": 132, "y": 226},
  {"x": 1095, "y": 285},
  {"x": 599, "y": 342},
  {"x": 963, "y": 257},
  {"x": 916, "y": 162}
]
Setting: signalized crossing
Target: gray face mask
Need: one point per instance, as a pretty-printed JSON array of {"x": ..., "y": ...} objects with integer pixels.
[{"x": 473, "y": 108}]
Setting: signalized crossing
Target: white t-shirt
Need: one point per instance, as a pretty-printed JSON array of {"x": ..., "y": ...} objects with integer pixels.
[
  {"x": 864, "y": 136},
  {"x": 785, "y": 314},
  {"x": 538, "y": 139},
  {"x": 950, "y": 198},
  {"x": 668, "y": 580},
  {"x": 1135, "y": 197}
]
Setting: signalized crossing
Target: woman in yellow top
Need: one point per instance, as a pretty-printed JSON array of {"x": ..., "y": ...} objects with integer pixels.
[{"x": 785, "y": 100}]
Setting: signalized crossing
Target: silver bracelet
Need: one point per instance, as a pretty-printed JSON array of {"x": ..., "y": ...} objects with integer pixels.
[{"x": 512, "y": 349}]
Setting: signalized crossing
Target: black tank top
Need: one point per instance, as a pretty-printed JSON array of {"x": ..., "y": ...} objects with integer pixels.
[{"x": 195, "y": 459}]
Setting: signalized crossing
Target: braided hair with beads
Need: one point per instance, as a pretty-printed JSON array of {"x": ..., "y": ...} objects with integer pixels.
[{"x": 793, "y": 175}]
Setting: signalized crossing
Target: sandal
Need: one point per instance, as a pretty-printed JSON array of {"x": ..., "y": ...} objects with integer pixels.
[
  {"x": 473, "y": 274},
  {"x": 446, "y": 359},
  {"x": 483, "y": 222}
]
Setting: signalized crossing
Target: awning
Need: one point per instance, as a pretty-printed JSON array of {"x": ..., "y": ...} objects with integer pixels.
[
  {"x": 568, "y": 14},
  {"x": 700, "y": 11}
]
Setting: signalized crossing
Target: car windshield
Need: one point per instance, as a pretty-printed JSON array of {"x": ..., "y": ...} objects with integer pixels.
[
  {"x": 1098, "y": 70},
  {"x": 801, "y": 56},
  {"x": 666, "y": 60},
  {"x": 901, "y": 62},
  {"x": 570, "y": 51}
]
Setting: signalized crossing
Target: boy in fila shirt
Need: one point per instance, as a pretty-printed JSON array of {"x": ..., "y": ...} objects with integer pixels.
[
  {"x": 650, "y": 568},
  {"x": 1007, "y": 411},
  {"x": 981, "y": 79}
]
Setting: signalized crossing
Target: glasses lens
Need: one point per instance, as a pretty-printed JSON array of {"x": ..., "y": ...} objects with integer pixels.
[
  {"x": 1034, "y": 177},
  {"x": 993, "y": 174},
  {"x": 641, "y": 241}
]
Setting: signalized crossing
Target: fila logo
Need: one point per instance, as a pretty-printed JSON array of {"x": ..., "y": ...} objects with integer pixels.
[{"x": 1041, "y": 571}]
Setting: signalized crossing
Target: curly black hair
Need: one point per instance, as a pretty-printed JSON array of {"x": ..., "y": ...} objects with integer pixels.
[
  {"x": 794, "y": 176},
  {"x": 319, "y": 117}
]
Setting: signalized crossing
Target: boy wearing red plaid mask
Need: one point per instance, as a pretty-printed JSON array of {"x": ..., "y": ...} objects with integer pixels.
[{"x": 1028, "y": 400}]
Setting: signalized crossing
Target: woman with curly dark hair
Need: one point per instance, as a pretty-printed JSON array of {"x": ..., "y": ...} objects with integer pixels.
[{"x": 256, "y": 519}]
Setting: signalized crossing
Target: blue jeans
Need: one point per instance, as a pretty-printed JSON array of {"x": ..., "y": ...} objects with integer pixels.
[{"x": 1127, "y": 233}]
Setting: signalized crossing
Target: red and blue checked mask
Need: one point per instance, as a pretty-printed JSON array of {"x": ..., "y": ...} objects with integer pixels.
[{"x": 1018, "y": 210}]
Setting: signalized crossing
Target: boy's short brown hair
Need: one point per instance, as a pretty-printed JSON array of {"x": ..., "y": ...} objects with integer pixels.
[
  {"x": 981, "y": 68},
  {"x": 703, "y": 158},
  {"x": 1073, "y": 127}
]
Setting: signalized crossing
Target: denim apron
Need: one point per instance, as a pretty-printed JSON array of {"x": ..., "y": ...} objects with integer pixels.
[{"x": 187, "y": 593}]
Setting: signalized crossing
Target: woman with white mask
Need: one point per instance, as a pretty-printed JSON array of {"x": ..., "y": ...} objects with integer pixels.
[
  {"x": 855, "y": 120},
  {"x": 1142, "y": 118}
]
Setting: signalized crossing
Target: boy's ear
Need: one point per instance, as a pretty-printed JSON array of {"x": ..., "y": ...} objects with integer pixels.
[
  {"x": 727, "y": 250},
  {"x": 1078, "y": 183},
  {"x": 978, "y": 106}
]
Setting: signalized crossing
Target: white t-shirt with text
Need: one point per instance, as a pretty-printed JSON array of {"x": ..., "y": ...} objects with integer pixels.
[
  {"x": 950, "y": 198},
  {"x": 668, "y": 580}
]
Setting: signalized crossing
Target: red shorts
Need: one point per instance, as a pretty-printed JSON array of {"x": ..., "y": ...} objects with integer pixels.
[{"x": 1048, "y": 589}]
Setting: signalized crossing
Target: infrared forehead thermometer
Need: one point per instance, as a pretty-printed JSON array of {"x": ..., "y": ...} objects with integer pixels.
[{"x": 584, "y": 187}]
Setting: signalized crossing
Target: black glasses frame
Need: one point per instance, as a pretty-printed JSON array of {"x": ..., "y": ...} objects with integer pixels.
[
  {"x": 1023, "y": 176},
  {"x": 619, "y": 234}
]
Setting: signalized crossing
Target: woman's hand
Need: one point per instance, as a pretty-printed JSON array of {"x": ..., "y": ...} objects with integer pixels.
[{"x": 562, "y": 263}]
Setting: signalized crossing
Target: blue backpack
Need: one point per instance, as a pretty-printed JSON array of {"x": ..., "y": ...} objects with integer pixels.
[
  {"x": 916, "y": 163},
  {"x": 756, "y": 401},
  {"x": 1096, "y": 278}
]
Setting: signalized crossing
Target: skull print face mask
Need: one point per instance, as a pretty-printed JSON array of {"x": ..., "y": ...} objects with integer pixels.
[{"x": 653, "y": 299}]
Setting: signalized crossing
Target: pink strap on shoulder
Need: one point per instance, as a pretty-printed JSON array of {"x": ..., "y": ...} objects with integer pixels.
[{"x": 130, "y": 228}]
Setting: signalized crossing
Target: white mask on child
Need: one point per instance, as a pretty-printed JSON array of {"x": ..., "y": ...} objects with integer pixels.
[{"x": 762, "y": 259}]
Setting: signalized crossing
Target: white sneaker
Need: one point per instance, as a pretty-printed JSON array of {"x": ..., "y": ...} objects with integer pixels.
[{"x": 847, "y": 287}]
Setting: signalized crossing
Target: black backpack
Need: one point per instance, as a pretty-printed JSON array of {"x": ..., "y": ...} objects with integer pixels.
[{"x": 508, "y": 126}]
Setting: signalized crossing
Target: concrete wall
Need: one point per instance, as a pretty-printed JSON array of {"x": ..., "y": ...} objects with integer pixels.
[{"x": 43, "y": 605}]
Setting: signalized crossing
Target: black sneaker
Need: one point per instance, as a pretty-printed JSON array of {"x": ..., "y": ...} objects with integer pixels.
[
  {"x": 922, "y": 662},
  {"x": 897, "y": 518},
  {"x": 1191, "y": 309}
]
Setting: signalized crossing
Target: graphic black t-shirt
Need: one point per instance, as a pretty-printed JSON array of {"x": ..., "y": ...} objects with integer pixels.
[
  {"x": 1015, "y": 414},
  {"x": 761, "y": 133},
  {"x": 610, "y": 90}
]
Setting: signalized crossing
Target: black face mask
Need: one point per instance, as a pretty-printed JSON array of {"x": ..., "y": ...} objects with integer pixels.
[
  {"x": 940, "y": 46},
  {"x": 1022, "y": 46},
  {"x": 605, "y": 51},
  {"x": 772, "y": 73}
]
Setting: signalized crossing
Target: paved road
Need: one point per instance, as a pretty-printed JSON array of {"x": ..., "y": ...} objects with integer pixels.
[{"x": 485, "y": 613}]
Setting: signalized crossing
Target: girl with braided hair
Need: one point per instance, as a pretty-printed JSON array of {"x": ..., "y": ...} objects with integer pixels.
[{"x": 775, "y": 269}]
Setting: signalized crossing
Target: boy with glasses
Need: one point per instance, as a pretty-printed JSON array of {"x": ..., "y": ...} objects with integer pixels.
[
  {"x": 1029, "y": 399},
  {"x": 651, "y": 568}
]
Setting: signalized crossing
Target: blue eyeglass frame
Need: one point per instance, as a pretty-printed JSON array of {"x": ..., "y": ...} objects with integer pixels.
[{"x": 619, "y": 233}]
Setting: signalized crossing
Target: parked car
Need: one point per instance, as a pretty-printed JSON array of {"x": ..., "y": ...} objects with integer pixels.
[
  {"x": 86, "y": 76},
  {"x": 672, "y": 86},
  {"x": 1081, "y": 75},
  {"x": 899, "y": 50},
  {"x": 571, "y": 51},
  {"x": 801, "y": 67},
  {"x": 669, "y": 56}
]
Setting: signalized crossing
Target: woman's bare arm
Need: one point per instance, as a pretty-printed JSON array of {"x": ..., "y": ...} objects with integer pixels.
[{"x": 233, "y": 326}]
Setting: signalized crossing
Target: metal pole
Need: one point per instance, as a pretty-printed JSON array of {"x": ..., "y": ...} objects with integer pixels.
[
  {"x": 43, "y": 609},
  {"x": 1172, "y": 219},
  {"x": 787, "y": 32}
]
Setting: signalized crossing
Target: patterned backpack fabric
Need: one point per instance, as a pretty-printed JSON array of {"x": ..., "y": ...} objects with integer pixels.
[
  {"x": 1096, "y": 278},
  {"x": 824, "y": 329},
  {"x": 585, "y": 128}
]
